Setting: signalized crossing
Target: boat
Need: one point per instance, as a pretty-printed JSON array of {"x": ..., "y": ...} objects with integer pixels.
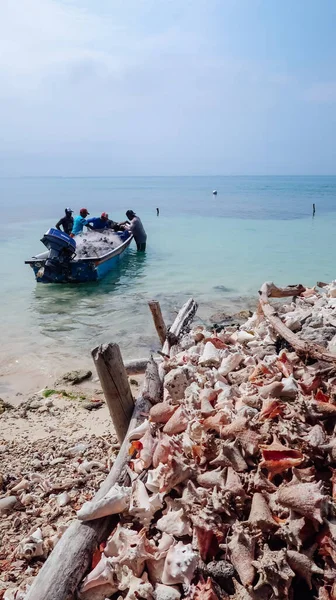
[{"x": 61, "y": 263}]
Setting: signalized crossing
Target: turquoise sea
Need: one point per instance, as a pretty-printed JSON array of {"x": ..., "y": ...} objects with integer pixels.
[{"x": 218, "y": 249}]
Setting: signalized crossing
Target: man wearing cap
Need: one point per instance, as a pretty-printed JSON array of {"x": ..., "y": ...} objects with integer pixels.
[
  {"x": 80, "y": 221},
  {"x": 102, "y": 222},
  {"x": 135, "y": 226},
  {"x": 66, "y": 222}
]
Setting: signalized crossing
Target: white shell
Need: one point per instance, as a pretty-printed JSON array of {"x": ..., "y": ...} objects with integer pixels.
[
  {"x": 174, "y": 523},
  {"x": 290, "y": 387},
  {"x": 63, "y": 499},
  {"x": 242, "y": 337},
  {"x": 114, "y": 541},
  {"x": 166, "y": 592},
  {"x": 230, "y": 363},
  {"x": 31, "y": 546},
  {"x": 142, "y": 507},
  {"x": 139, "y": 431},
  {"x": 115, "y": 501},
  {"x": 180, "y": 564},
  {"x": 7, "y": 504},
  {"x": 210, "y": 356}
]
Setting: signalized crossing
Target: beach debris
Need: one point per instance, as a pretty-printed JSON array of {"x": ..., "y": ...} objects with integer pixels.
[
  {"x": 74, "y": 377},
  {"x": 5, "y": 406},
  {"x": 45, "y": 500},
  {"x": 7, "y": 504},
  {"x": 231, "y": 479},
  {"x": 93, "y": 404}
]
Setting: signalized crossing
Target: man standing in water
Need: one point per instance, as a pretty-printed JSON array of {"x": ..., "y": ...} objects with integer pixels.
[
  {"x": 66, "y": 222},
  {"x": 137, "y": 229}
]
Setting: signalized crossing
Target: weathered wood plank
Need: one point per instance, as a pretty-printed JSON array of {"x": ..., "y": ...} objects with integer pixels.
[{"x": 115, "y": 385}]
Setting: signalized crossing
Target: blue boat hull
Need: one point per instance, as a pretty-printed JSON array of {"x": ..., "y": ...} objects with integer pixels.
[{"x": 81, "y": 270}]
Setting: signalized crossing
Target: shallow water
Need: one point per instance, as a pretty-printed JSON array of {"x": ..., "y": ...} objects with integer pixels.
[{"x": 218, "y": 249}]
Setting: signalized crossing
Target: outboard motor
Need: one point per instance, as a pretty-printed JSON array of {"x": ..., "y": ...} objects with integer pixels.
[{"x": 62, "y": 248}]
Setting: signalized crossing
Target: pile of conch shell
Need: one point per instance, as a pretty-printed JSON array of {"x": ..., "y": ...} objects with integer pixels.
[{"x": 233, "y": 479}]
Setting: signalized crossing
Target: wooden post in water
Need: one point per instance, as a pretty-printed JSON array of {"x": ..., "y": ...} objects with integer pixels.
[
  {"x": 115, "y": 385},
  {"x": 313, "y": 210},
  {"x": 159, "y": 323}
]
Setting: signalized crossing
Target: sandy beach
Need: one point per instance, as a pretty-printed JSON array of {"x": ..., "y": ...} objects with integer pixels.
[{"x": 51, "y": 445}]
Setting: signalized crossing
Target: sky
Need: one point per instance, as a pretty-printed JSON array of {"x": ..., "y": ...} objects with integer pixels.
[{"x": 167, "y": 87}]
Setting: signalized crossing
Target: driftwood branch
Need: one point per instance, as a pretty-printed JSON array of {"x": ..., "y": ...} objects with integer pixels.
[
  {"x": 115, "y": 385},
  {"x": 153, "y": 388},
  {"x": 183, "y": 319},
  {"x": 269, "y": 290},
  {"x": 70, "y": 559},
  {"x": 159, "y": 323},
  {"x": 301, "y": 347},
  {"x": 136, "y": 366}
]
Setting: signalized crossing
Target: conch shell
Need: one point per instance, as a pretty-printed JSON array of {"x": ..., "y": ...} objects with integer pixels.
[
  {"x": 31, "y": 546},
  {"x": 260, "y": 515},
  {"x": 166, "y": 592},
  {"x": 177, "y": 423},
  {"x": 102, "y": 574},
  {"x": 180, "y": 564},
  {"x": 230, "y": 363},
  {"x": 278, "y": 458},
  {"x": 174, "y": 522},
  {"x": 115, "y": 501},
  {"x": 304, "y": 498},
  {"x": 210, "y": 356},
  {"x": 161, "y": 413},
  {"x": 241, "y": 548},
  {"x": 142, "y": 507}
]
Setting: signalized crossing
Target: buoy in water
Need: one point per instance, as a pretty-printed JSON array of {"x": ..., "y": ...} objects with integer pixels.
[{"x": 215, "y": 192}]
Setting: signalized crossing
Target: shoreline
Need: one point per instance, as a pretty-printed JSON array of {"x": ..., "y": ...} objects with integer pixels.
[{"x": 22, "y": 376}]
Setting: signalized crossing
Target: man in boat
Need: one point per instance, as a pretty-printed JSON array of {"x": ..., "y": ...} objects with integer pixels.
[
  {"x": 80, "y": 221},
  {"x": 66, "y": 222},
  {"x": 102, "y": 222},
  {"x": 135, "y": 226}
]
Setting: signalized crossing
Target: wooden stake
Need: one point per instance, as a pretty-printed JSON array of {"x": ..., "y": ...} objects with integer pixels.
[
  {"x": 159, "y": 323},
  {"x": 71, "y": 557},
  {"x": 115, "y": 385}
]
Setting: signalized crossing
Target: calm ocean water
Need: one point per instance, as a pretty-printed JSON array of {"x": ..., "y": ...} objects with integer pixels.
[{"x": 218, "y": 249}]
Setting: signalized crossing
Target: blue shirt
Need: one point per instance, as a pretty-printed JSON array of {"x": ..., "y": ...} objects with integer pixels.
[
  {"x": 98, "y": 223},
  {"x": 78, "y": 225}
]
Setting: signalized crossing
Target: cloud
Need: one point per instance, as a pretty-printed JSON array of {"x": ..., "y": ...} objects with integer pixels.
[{"x": 139, "y": 87}]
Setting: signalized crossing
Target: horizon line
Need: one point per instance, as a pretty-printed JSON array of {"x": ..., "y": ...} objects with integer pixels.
[{"x": 160, "y": 176}]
